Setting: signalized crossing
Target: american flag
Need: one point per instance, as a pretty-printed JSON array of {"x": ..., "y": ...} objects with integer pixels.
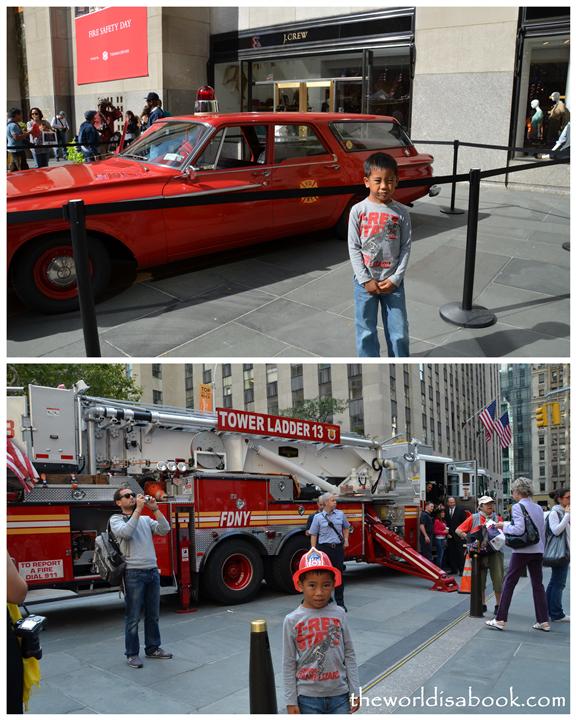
[
  {"x": 504, "y": 430},
  {"x": 19, "y": 463},
  {"x": 487, "y": 419}
]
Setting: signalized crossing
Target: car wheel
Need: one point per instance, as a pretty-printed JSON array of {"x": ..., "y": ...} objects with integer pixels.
[
  {"x": 286, "y": 564},
  {"x": 44, "y": 275},
  {"x": 234, "y": 572}
]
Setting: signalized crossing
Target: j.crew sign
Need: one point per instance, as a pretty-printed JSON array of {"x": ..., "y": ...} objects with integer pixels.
[{"x": 294, "y": 36}]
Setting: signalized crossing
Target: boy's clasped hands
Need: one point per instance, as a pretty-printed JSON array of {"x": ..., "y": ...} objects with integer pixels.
[{"x": 379, "y": 287}]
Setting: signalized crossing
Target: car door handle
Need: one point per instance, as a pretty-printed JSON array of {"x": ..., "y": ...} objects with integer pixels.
[
  {"x": 333, "y": 166},
  {"x": 261, "y": 173}
]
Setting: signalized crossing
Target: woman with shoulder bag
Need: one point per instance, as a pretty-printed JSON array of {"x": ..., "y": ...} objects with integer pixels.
[
  {"x": 559, "y": 526},
  {"x": 525, "y": 534}
]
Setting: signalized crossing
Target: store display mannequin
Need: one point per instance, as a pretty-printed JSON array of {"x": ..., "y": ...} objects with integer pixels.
[
  {"x": 535, "y": 132},
  {"x": 558, "y": 116}
]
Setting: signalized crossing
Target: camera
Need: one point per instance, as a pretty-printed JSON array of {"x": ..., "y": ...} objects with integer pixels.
[
  {"x": 148, "y": 498},
  {"x": 28, "y": 630}
]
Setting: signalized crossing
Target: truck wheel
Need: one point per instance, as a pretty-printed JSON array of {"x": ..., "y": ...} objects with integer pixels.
[
  {"x": 44, "y": 276},
  {"x": 234, "y": 572},
  {"x": 286, "y": 564}
]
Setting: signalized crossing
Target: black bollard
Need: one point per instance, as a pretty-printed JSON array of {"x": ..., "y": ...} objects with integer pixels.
[
  {"x": 465, "y": 314},
  {"x": 453, "y": 210},
  {"x": 262, "y": 685},
  {"x": 476, "y": 587},
  {"x": 77, "y": 218}
]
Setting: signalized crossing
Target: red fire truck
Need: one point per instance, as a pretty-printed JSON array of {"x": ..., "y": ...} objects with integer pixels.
[{"x": 237, "y": 488}]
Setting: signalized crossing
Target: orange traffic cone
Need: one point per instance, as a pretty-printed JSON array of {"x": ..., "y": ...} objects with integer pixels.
[{"x": 466, "y": 583}]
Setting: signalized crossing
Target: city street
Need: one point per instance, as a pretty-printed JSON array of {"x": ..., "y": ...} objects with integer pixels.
[
  {"x": 294, "y": 298},
  {"x": 411, "y": 643}
]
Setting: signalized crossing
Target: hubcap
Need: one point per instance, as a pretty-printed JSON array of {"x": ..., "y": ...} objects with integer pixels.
[
  {"x": 61, "y": 271},
  {"x": 237, "y": 572}
]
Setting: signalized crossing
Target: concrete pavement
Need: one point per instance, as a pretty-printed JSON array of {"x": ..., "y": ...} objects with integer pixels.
[
  {"x": 414, "y": 639},
  {"x": 294, "y": 298}
]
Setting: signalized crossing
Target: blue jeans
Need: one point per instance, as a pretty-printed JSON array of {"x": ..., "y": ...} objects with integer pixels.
[
  {"x": 394, "y": 319},
  {"x": 554, "y": 592},
  {"x": 142, "y": 594},
  {"x": 337, "y": 705},
  {"x": 440, "y": 547}
]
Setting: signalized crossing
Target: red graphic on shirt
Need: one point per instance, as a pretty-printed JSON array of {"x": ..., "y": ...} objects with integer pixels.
[
  {"x": 314, "y": 637},
  {"x": 377, "y": 229}
]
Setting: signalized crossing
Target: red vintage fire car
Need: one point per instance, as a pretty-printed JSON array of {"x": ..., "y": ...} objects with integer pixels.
[{"x": 200, "y": 155}]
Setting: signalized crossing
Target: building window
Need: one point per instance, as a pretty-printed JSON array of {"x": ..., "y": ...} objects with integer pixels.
[
  {"x": 157, "y": 370},
  {"x": 248, "y": 373},
  {"x": 545, "y": 67},
  {"x": 227, "y": 388},
  {"x": 189, "y": 384},
  {"x": 272, "y": 389},
  {"x": 356, "y": 404},
  {"x": 297, "y": 383},
  {"x": 206, "y": 375},
  {"x": 157, "y": 397},
  {"x": 226, "y": 370}
]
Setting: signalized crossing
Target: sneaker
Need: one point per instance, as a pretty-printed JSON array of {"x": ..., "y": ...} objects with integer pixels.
[
  {"x": 135, "y": 662},
  {"x": 545, "y": 627},
  {"x": 159, "y": 654},
  {"x": 496, "y": 624},
  {"x": 566, "y": 618}
]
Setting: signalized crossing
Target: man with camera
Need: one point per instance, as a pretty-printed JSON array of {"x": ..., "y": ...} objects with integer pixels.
[{"x": 134, "y": 532}]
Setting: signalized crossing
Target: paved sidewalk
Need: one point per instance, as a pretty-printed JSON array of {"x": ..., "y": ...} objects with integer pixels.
[
  {"x": 391, "y": 616},
  {"x": 295, "y": 299}
]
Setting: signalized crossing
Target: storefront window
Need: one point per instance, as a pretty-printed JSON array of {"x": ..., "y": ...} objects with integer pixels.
[
  {"x": 545, "y": 71},
  {"x": 390, "y": 84}
]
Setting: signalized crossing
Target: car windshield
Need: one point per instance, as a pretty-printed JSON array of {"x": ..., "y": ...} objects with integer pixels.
[
  {"x": 370, "y": 135},
  {"x": 169, "y": 143}
]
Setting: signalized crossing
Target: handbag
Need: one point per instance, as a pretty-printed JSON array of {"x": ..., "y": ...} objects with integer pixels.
[
  {"x": 556, "y": 550},
  {"x": 530, "y": 536}
]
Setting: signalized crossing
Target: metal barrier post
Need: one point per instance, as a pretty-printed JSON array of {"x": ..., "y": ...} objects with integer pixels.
[
  {"x": 77, "y": 218},
  {"x": 261, "y": 673},
  {"x": 465, "y": 314},
  {"x": 453, "y": 210},
  {"x": 476, "y": 587}
]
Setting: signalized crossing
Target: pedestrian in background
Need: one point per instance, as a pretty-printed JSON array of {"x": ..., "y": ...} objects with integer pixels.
[
  {"x": 134, "y": 532},
  {"x": 154, "y": 107},
  {"x": 559, "y": 524},
  {"x": 61, "y": 128},
  {"x": 132, "y": 128},
  {"x": 426, "y": 530},
  {"x": 37, "y": 126},
  {"x": 16, "y": 589},
  {"x": 88, "y": 136},
  {"x": 440, "y": 530},
  {"x": 454, "y": 556},
  {"x": 490, "y": 559},
  {"x": 329, "y": 533},
  {"x": 16, "y": 141},
  {"x": 319, "y": 664},
  {"x": 320, "y": 503},
  {"x": 524, "y": 557}
]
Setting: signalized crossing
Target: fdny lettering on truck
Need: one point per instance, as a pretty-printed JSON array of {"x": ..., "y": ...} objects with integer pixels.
[{"x": 235, "y": 518}]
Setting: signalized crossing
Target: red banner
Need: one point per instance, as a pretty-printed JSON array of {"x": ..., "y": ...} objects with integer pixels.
[
  {"x": 277, "y": 426},
  {"x": 112, "y": 44}
]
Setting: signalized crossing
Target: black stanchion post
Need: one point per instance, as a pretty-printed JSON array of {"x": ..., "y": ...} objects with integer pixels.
[
  {"x": 566, "y": 246},
  {"x": 476, "y": 587},
  {"x": 465, "y": 314},
  {"x": 262, "y": 685},
  {"x": 453, "y": 210},
  {"x": 77, "y": 218}
]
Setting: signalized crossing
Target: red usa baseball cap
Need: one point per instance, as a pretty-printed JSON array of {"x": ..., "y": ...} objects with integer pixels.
[{"x": 316, "y": 560}]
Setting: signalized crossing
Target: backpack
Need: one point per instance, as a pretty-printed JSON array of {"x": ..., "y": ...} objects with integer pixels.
[{"x": 108, "y": 561}]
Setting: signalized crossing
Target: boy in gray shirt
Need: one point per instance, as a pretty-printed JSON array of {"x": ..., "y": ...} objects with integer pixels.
[
  {"x": 379, "y": 237},
  {"x": 319, "y": 663},
  {"x": 134, "y": 532}
]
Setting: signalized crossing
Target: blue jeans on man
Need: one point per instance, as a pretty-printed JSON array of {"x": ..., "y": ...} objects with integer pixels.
[
  {"x": 142, "y": 589},
  {"x": 554, "y": 592},
  {"x": 394, "y": 318}
]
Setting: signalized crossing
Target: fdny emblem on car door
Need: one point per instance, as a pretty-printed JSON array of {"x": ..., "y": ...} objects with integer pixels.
[{"x": 305, "y": 184}]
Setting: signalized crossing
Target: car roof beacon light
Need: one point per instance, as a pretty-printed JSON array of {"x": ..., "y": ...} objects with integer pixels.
[{"x": 206, "y": 100}]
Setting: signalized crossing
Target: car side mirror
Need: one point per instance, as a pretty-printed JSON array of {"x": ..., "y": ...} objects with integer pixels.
[{"x": 190, "y": 173}]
